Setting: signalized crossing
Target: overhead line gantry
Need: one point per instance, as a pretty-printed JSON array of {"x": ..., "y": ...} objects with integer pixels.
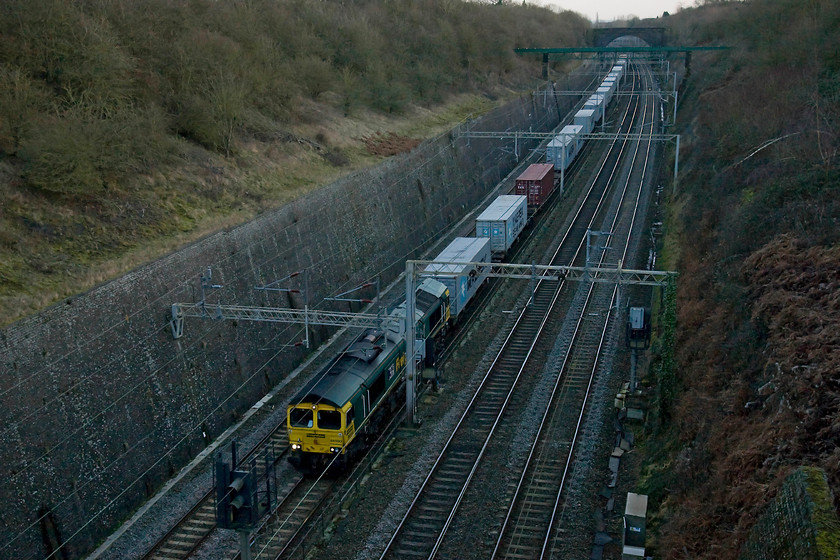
[
  {"x": 518, "y": 135},
  {"x": 414, "y": 269}
]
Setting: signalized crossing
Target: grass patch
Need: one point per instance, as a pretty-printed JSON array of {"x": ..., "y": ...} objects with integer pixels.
[{"x": 53, "y": 247}]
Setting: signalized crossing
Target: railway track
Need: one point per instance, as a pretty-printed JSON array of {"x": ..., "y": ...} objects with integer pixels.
[
  {"x": 197, "y": 524},
  {"x": 423, "y": 531},
  {"x": 564, "y": 516},
  {"x": 442, "y": 490},
  {"x": 278, "y": 536},
  {"x": 424, "y": 527},
  {"x": 533, "y": 512}
]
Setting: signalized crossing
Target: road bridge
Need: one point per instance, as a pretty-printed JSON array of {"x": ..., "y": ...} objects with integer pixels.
[{"x": 653, "y": 36}]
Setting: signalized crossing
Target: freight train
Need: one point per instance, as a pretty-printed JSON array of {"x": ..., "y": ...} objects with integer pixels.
[
  {"x": 563, "y": 148},
  {"x": 330, "y": 418}
]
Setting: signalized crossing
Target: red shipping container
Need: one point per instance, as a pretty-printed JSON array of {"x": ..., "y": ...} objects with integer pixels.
[{"x": 537, "y": 183}]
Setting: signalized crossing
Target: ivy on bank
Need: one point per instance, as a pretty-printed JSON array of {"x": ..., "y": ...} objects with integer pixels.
[{"x": 666, "y": 365}]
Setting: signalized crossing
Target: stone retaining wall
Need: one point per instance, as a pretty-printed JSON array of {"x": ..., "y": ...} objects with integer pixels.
[
  {"x": 799, "y": 524},
  {"x": 100, "y": 405}
]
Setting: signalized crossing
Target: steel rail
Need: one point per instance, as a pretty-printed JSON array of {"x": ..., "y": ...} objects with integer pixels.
[
  {"x": 633, "y": 215},
  {"x": 562, "y": 379},
  {"x": 581, "y": 314},
  {"x": 479, "y": 392}
]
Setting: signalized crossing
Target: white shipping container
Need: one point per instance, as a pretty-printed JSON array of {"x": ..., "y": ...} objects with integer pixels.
[
  {"x": 595, "y": 103},
  {"x": 563, "y": 149},
  {"x": 462, "y": 280},
  {"x": 502, "y": 221},
  {"x": 586, "y": 119},
  {"x": 605, "y": 91}
]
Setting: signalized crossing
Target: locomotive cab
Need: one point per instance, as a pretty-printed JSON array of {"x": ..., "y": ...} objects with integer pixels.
[{"x": 318, "y": 430}]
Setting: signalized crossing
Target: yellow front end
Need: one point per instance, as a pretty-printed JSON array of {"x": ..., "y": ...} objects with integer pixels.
[{"x": 317, "y": 429}]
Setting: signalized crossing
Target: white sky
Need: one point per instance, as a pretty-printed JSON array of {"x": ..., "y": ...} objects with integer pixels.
[{"x": 608, "y": 10}]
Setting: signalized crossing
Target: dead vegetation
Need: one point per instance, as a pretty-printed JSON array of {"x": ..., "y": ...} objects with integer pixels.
[
  {"x": 129, "y": 128},
  {"x": 758, "y": 224},
  {"x": 389, "y": 144}
]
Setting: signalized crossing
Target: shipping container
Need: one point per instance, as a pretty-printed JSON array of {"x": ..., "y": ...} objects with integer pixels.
[
  {"x": 586, "y": 119},
  {"x": 502, "y": 222},
  {"x": 595, "y": 103},
  {"x": 536, "y": 183},
  {"x": 562, "y": 150},
  {"x": 605, "y": 91},
  {"x": 463, "y": 280}
]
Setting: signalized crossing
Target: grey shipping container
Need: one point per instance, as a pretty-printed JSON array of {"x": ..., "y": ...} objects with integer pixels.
[
  {"x": 502, "y": 221},
  {"x": 462, "y": 280},
  {"x": 595, "y": 103},
  {"x": 586, "y": 119},
  {"x": 564, "y": 147}
]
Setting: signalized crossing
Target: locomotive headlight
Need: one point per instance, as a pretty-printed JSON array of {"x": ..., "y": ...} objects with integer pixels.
[{"x": 295, "y": 446}]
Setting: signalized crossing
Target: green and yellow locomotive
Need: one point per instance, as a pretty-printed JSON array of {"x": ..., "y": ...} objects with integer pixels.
[{"x": 354, "y": 394}]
